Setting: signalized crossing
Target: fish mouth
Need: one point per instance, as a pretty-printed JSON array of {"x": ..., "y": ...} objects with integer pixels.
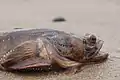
[{"x": 94, "y": 51}]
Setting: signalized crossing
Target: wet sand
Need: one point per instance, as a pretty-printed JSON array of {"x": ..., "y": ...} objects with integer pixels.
[{"x": 100, "y": 17}]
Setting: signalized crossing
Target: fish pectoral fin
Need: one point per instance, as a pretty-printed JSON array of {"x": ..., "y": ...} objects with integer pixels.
[
  {"x": 21, "y": 52},
  {"x": 30, "y": 63}
]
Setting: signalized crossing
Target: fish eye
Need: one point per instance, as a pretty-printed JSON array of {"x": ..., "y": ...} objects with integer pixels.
[{"x": 93, "y": 38}]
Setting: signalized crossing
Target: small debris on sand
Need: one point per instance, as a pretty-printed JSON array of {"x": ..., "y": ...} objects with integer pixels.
[
  {"x": 18, "y": 28},
  {"x": 59, "y": 19}
]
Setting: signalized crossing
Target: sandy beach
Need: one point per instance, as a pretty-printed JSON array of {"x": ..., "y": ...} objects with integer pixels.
[{"x": 99, "y": 17}]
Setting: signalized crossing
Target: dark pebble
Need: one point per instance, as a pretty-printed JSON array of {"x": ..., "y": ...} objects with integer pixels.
[
  {"x": 18, "y": 28},
  {"x": 59, "y": 19}
]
